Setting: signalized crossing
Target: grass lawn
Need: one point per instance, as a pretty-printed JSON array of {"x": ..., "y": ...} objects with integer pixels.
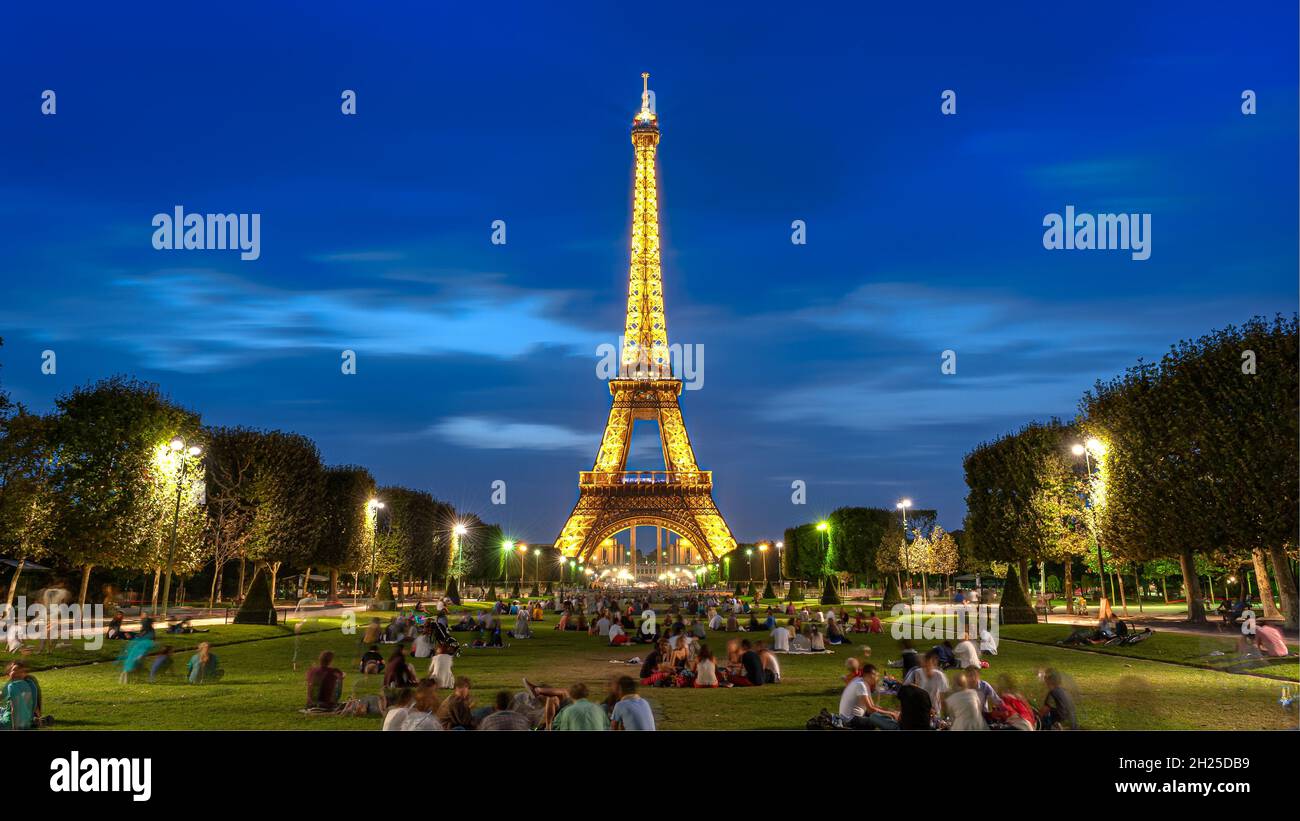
[{"x": 262, "y": 691}]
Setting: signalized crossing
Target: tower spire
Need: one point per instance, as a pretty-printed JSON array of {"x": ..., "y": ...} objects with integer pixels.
[{"x": 645, "y": 333}]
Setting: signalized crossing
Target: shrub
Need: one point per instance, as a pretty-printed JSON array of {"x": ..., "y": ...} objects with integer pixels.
[
  {"x": 258, "y": 608},
  {"x": 1015, "y": 607},
  {"x": 829, "y": 596}
]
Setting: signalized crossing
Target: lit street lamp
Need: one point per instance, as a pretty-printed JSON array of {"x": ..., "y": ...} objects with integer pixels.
[
  {"x": 780, "y": 546},
  {"x": 749, "y": 558},
  {"x": 903, "y": 505},
  {"x": 507, "y": 547},
  {"x": 1094, "y": 446},
  {"x": 762, "y": 557},
  {"x": 177, "y": 445}
]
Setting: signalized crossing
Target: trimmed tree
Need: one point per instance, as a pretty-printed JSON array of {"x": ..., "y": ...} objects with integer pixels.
[
  {"x": 258, "y": 607},
  {"x": 829, "y": 596},
  {"x": 892, "y": 594},
  {"x": 1015, "y": 608}
]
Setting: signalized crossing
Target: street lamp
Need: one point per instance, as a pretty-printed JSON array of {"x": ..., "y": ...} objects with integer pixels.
[
  {"x": 523, "y": 553},
  {"x": 374, "y": 506},
  {"x": 1094, "y": 447},
  {"x": 749, "y": 559},
  {"x": 762, "y": 550},
  {"x": 456, "y": 532},
  {"x": 178, "y": 446},
  {"x": 537, "y": 569},
  {"x": 507, "y": 547},
  {"x": 780, "y": 546},
  {"x": 903, "y": 505}
]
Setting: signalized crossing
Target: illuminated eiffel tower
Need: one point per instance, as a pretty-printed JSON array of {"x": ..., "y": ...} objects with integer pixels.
[{"x": 610, "y": 497}]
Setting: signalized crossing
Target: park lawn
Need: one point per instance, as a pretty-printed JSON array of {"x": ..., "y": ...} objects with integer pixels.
[
  {"x": 261, "y": 690},
  {"x": 1169, "y": 646},
  {"x": 66, "y": 652}
]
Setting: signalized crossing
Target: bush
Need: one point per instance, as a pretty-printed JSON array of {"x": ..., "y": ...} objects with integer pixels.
[
  {"x": 550, "y": 590},
  {"x": 768, "y": 592},
  {"x": 514, "y": 591},
  {"x": 892, "y": 595},
  {"x": 740, "y": 589},
  {"x": 453, "y": 590},
  {"x": 492, "y": 593},
  {"x": 258, "y": 608},
  {"x": 384, "y": 598},
  {"x": 1015, "y": 607},
  {"x": 829, "y": 596},
  {"x": 753, "y": 591}
]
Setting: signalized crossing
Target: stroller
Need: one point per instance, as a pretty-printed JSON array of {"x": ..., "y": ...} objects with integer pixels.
[{"x": 444, "y": 639}]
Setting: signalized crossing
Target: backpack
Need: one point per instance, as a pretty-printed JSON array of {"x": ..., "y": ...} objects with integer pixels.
[{"x": 822, "y": 721}]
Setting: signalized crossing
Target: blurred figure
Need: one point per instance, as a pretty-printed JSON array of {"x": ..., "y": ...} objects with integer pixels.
[
  {"x": 20, "y": 700},
  {"x": 162, "y": 664},
  {"x": 203, "y": 665},
  {"x": 423, "y": 713},
  {"x": 1057, "y": 712},
  {"x": 964, "y": 704},
  {"x": 324, "y": 684}
]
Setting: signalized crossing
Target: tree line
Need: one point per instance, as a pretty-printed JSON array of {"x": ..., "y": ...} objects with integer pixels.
[
  {"x": 96, "y": 485},
  {"x": 1186, "y": 466}
]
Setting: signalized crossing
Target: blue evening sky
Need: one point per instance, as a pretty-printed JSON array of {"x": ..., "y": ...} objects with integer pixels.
[{"x": 477, "y": 362}]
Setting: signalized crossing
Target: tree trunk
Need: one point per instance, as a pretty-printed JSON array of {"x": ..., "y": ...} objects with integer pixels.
[
  {"x": 153, "y": 597},
  {"x": 1265, "y": 586},
  {"x": 1123, "y": 602},
  {"x": 1195, "y": 609},
  {"x": 1069, "y": 585},
  {"x": 1024, "y": 579},
  {"x": 13, "y": 586},
  {"x": 1210, "y": 580},
  {"x": 1137, "y": 585},
  {"x": 334, "y": 585},
  {"x": 1164, "y": 587},
  {"x": 212, "y": 591},
  {"x": 306, "y": 582},
  {"x": 240, "y": 592},
  {"x": 85, "y": 583},
  {"x": 1286, "y": 584}
]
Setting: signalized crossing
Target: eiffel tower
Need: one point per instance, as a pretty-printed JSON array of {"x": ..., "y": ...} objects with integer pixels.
[{"x": 610, "y": 497}]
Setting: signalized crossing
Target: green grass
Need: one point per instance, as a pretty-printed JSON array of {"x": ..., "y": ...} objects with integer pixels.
[{"x": 261, "y": 690}]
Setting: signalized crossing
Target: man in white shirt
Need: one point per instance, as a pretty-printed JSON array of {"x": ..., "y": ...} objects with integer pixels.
[
  {"x": 930, "y": 678},
  {"x": 602, "y": 626},
  {"x": 781, "y": 639},
  {"x": 968, "y": 655}
]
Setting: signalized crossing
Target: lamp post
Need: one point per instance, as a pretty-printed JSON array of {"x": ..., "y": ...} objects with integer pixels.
[
  {"x": 780, "y": 546},
  {"x": 374, "y": 506},
  {"x": 749, "y": 562},
  {"x": 178, "y": 447},
  {"x": 903, "y": 505},
  {"x": 822, "y": 528},
  {"x": 762, "y": 558},
  {"x": 455, "y": 569},
  {"x": 537, "y": 570},
  {"x": 1091, "y": 446},
  {"x": 523, "y": 554},
  {"x": 507, "y": 547}
]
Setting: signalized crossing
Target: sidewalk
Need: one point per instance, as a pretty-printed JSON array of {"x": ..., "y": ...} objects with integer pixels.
[{"x": 1170, "y": 622}]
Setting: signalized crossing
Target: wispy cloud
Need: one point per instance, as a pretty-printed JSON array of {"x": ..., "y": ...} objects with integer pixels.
[{"x": 484, "y": 433}]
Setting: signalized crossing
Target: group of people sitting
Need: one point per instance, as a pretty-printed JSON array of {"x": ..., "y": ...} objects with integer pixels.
[
  {"x": 928, "y": 701},
  {"x": 537, "y": 707}
]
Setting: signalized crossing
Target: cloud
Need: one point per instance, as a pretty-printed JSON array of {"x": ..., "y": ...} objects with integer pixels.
[
  {"x": 484, "y": 433},
  {"x": 197, "y": 320}
]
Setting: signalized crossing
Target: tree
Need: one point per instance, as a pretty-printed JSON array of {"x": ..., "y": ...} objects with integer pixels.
[
  {"x": 857, "y": 533},
  {"x": 112, "y": 466},
  {"x": 259, "y": 605},
  {"x": 286, "y": 498},
  {"x": 230, "y": 512},
  {"x": 1014, "y": 607},
  {"x": 942, "y": 556},
  {"x": 26, "y": 497},
  {"x": 1203, "y": 428},
  {"x": 345, "y": 533}
]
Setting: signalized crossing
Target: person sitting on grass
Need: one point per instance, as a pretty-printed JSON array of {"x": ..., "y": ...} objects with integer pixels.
[
  {"x": 162, "y": 664},
  {"x": 185, "y": 627},
  {"x": 781, "y": 639},
  {"x": 502, "y": 717},
  {"x": 771, "y": 665},
  {"x": 947, "y": 656},
  {"x": 563, "y": 623},
  {"x": 857, "y": 707},
  {"x": 1016, "y": 713},
  {"x": 203, "y": 665},
  {"x": 816, "y": 643},
  {"x": 966, "y": 653},
  {"x": 617, "y": 635},
  {"x": 749, "y": 673},
  {"x": 115, "y": 631},
  {"x": 1270, "y": 642},
  {"x": 631, "y": 712},
  {"x": 440, "y": 669},
  {"x": 1057, "y": 712},
  {"x": 398, "y": 674},
  {"x": 423, "y": 647},
  {"x": 715, "y": 620},
  {"x": 706, "y": 669},
  {"x": 930, "y": 678},
  {"x": 915, "y": 709},
  {"x": 964, "y": 705},
  {"x": 834, "y": 633},
  {"x": 422, "y": 715},
  {"x": 399, "y": 709},
  {"x": 733, "y": 626},
  {"x": 372, "y": 661},
  {"x": 324, "y": 684},
  {"x": 579, "y": 713},
  {"x": 20, "y": 699},
  {"x": 457, "y": 711}
]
